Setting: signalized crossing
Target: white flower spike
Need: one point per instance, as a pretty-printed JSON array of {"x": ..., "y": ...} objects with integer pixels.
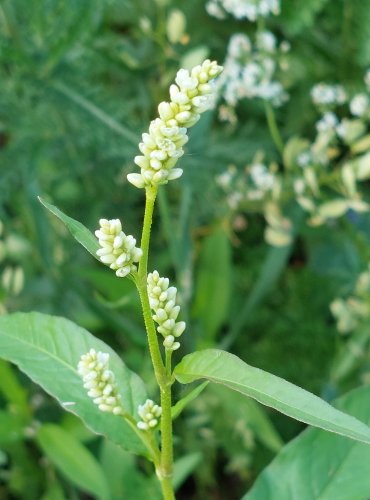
[
  {"x": 149, "y": 413},
  {"x": 100, "y": 382},
  {"x": 162, "y": 300},
  {"x": 163, "y": 145},
  {"x": 118, "y": 250}
]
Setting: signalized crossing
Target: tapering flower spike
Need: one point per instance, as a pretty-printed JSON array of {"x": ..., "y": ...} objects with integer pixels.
[
  {"x": 163, "y": 145},
  {"x": 149, "y": 413},
  {"x": 118, "y": 250},
  {"x": 100, "y": 382},
  {"x": 162, "y": 299}
]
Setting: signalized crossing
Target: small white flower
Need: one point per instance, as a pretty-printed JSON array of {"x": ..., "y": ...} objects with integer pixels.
[
  {"x": 118, "y": 250},
  {"x": 149, "y": 413},
  {"x": 328, "y": 95},
  {"x": 99, "y": 380},
  {"x": 304, "y": 159},
  {"x": 359, "y": 105},
  {"x": 262, "y": 177},
  {"x": 266, "y": 41},
  {"x": 328, "y": 122}
]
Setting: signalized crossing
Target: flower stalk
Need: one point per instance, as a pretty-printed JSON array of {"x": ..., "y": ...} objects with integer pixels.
[{"x": 161, "y": 148}]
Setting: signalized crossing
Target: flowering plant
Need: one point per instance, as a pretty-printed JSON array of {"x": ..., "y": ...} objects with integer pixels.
[{"x": 96, "y": 384}]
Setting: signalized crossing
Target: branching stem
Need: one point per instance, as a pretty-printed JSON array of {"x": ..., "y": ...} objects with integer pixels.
[{"x": 164, "y": 463}]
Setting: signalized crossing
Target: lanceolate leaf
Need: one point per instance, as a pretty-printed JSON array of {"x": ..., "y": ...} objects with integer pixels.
[
  {"x": 214, "y": 279},
  {"x": 48, "y": 348},
  {"x": 78, "y": 230},
  {"x": 321, "y": 465},
  {"x": 183, "y": 402},
  {"x": 227, "y": 369},
  {"x": 73, "y": 460}
]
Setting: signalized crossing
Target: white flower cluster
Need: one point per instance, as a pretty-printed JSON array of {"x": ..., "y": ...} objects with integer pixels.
[
  {"x": 324, "y": 95},
  {"x": 262, "y": 177},
  {"x": 316, "y": 160},
  {"x": 162, "y": 300},
  {"x": 162, "y": 146},
  {"x": 257, "y": 183},
  {"x": 328, "y": 122},
  {"x": 118, "y": 250},
  {"x": 349, "y": 312},
  {"x": 360, "y": 105},
  {"x": 100, "y": 382},
  {"x": 150, "y": 414},
  {"x": 243, "y": 9},
  {"x": 250, "y": 71}
]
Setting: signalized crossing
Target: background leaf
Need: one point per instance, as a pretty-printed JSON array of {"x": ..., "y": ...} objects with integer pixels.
[
  {"x": 48, "y": 349},
  {"x": 78, "y": 230},
  {"x": 227, "y": 369},
  {"x": 73, "y": 460},
  {"x": 321, "y": 465},
  {"x": 213, "y": 280},
  {"x": 126, "y": 480}
]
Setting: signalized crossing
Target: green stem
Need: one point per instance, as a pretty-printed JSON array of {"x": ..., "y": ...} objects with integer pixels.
[
  {"x": 162, "y": 372},
  {"x": 274, "y": 130},
  {"x": 168, "y": 364},
  {"x": 141, "y": 284},
  {"x": 147, "y": 438},
  {"x": 166, "y": 451}
]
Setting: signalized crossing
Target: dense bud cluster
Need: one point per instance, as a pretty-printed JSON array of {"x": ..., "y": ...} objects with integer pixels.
[
  {"x": 118, "y": 250},
  {"x": 162, "y": 146},
  {"x": 99, "y": 381},
  {"x": 162, "y": 300},
  {"x": 149, "y": 413}
]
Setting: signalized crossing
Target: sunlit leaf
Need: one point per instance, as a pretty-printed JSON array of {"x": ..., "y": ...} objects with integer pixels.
[
  {"x": 227, "y": 369},
  {"x": 48, "y": 348}
]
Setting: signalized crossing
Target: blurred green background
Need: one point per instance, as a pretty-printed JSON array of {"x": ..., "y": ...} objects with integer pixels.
[{"x": 80, "y": 81}]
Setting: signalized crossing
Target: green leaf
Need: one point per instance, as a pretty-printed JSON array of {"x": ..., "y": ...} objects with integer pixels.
[
  {"x": 78, "y": 230},
  {"x": 232, "y": 407},
  {"x": 11, "y": 428},
  {"x": 73, "y": 460},
  {"x": 213, "y": 280},
  {"x": 48, "y": 348},
  {"x": 271, "y": 270},
  {"x": 320, "y": 465},
  {"x": 226, "y": 369},
  {"x": 54, "y": 492},
  {"x": 13, "y": 390},
  {"x": 297, "y": 16},
  {"x": 178, "y": 408},
  {"x": 292, "y": 149},
  {"x": 125, "y": 478},
  {"x": 184, "y": 467}
]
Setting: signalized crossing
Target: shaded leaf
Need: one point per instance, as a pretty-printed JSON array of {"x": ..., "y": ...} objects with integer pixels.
[
  {"x": 73, "y": 460},
  {"x": 321, "y": 465}
]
